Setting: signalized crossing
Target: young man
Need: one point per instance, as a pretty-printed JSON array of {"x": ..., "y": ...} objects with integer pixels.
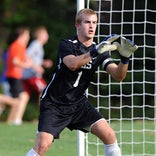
[
  {"x": 32, "y": 77},
  {"x": 16, "y": 61},
  {"x": 63, "y": 103}
]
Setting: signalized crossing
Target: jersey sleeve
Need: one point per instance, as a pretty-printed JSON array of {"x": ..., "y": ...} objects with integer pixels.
[{"x": 65, "y": 48}]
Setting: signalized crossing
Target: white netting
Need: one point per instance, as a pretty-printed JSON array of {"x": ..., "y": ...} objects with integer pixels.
[{"x": 128, "y": 106}]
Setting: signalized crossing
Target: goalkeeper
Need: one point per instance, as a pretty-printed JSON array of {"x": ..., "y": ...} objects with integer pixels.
[{"x": 63, "y": 102}]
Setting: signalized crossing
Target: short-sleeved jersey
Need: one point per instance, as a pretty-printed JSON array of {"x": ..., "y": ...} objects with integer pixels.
[
  {"x": 36, "y": 52},
  {"x": 15, "y": 50},
  {"x": 68, "y": 87}
]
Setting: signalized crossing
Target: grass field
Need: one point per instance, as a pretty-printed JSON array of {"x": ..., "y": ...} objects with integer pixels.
[{"x": 17, "y": 140}]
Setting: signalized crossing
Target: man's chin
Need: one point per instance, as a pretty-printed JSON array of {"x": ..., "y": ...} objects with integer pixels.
[{"x": 90, "y": 36}]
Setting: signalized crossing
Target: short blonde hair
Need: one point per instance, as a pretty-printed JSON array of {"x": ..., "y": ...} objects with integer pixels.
[
  {"x": 38, "y": 30},
  {"x": 85, "y": 11}
]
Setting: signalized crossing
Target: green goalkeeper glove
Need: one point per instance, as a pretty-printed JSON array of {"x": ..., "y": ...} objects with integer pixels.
[
  {"x": 105, "y": 45},
  {"x": 125, "y": 49}
]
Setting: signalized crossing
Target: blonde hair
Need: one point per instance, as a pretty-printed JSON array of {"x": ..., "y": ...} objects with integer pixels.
[
  {"x": 38, "y": 30},
  {"x": 82, "y": 12}
]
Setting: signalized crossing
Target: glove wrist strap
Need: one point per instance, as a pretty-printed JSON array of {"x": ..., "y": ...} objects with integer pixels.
[
  {"x": 94, "y": 53},
  {"x": 124, "y": 60}
]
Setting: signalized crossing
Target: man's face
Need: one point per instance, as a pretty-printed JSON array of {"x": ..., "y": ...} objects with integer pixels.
[
  {"x": 43, "y": 35},
  {"x": 26, "y": 37},
  {"x": 87, "y": 27}
]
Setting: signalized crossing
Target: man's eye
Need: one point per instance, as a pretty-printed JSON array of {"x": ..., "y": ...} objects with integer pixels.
[{"x": 87, "y": 22}]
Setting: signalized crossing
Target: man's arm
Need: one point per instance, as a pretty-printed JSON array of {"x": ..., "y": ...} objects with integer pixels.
[
  {"x": 19, "y": 63},
  {"x": 118, "y": 72},
  {"x": 75, "y": 62}
]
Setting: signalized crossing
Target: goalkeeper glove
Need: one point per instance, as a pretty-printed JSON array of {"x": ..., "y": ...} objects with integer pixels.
[
  {"x": 105, "y": 45},
  {"x": 125, "y": 49}
]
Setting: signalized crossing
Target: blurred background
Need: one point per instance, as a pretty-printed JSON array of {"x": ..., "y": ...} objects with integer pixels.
[{"x": 56, "y": 15}]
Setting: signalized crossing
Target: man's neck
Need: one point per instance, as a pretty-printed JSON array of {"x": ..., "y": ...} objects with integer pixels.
[{"x": 85, "y": 41}]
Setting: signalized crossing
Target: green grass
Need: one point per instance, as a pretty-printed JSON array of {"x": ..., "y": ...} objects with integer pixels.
[{"x": 17, "y": 140}]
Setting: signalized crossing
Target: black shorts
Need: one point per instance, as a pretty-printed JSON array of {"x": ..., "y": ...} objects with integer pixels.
[
  {"x": 54, "y": 118},
  {"x": 16, "y": 86}
]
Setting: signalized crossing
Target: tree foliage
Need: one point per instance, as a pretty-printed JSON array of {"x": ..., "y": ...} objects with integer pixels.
[{"x": 56, "y": 15}]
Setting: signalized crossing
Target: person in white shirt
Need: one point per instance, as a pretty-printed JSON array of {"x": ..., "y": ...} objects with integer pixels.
[{"x": 32, "y": 77}]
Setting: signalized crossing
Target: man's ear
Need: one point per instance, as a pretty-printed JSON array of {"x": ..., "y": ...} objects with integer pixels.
[{"x": 77, "y": 25}]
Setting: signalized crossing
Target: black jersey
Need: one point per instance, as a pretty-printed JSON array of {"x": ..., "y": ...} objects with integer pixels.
[{"x": 68, "y": 87}]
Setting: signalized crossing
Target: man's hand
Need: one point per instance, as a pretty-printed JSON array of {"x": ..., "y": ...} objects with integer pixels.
[
  {"x": 105, "y": 45},
  {"x": 126, "y": 48}
]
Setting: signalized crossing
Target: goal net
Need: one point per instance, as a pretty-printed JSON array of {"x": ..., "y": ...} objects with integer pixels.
[{"x": 128, "y": 106}]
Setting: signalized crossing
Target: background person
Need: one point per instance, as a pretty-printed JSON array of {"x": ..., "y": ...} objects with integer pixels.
[
  {"x": 16, "y": 61},
  {"x": 33, "y": 77}
]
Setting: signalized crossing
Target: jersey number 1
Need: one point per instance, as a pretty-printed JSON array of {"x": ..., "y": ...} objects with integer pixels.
[{"x": 78, "y": 79}]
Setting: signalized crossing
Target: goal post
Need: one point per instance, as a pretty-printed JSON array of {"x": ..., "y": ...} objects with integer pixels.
[
  {"x": 80, "y": 135},
  {"x": 128, "y": 106}
]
